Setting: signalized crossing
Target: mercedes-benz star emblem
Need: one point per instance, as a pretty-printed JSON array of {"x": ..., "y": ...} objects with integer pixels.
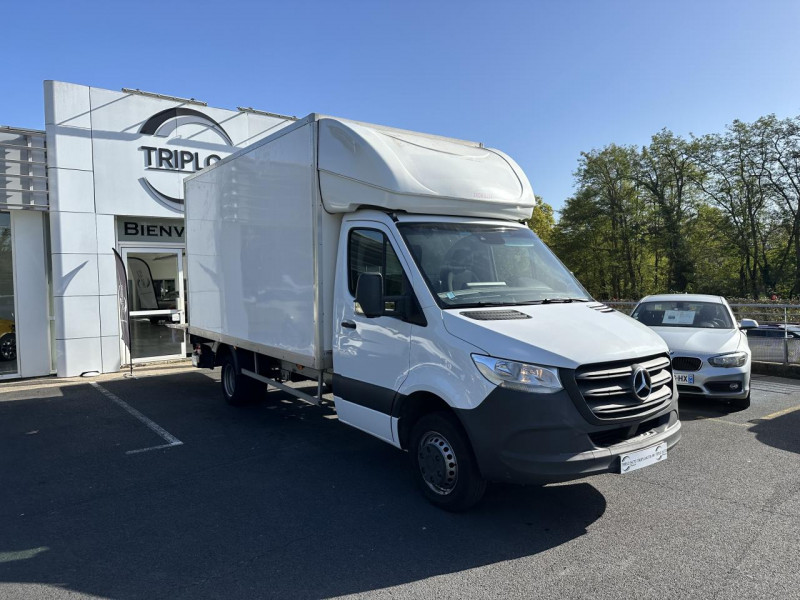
[{"x": 642, "y": 383}]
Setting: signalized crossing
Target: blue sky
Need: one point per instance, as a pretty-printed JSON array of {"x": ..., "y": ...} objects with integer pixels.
[{"x": 541, "y": 80}]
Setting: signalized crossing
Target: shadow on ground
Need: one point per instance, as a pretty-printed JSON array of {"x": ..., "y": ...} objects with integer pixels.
[
  {"x": 698, "y": 408},
  {"x": 273, "y": 500},
  {"x": 782, "y": 432}
]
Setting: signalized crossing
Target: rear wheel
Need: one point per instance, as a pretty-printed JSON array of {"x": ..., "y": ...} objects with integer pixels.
[
  {"x": 443, "y": 463},
  {"x": 237, "y": 389}
]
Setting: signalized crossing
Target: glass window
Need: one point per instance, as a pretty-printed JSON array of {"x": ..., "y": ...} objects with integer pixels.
[
  {"x": 371, "y": 252},
  {"x": 8, "y": 339},
  {"x": 466, "y": 264},
  {"x": 153, "y": 289},
  {"x": 682, "y": 313}
]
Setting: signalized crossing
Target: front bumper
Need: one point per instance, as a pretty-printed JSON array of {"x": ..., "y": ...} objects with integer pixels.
[
  {"x": 520, "y": 437},
  {"x": 716, "y": 382}
]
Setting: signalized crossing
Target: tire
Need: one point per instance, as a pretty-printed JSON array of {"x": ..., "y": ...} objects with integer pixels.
[
  {"x": 741, "y": 403},
  {"x": 237, "y": 389},
  {"x": 8, "y": 347},
  {"x": 443, "y": 463}
]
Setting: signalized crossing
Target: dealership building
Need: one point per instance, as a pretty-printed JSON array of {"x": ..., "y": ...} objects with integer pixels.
[{"x": 105, "y": 175}]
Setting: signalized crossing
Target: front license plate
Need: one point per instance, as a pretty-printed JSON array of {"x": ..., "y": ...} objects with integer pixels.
[
  {"x": 684, "y": 378},
  {"x": 642, "y": 458}
]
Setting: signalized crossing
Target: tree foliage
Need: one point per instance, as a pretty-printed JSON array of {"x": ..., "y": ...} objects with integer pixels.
[
  {"x": 542, "y": 220},
  {"x": 718, "y": 214}
]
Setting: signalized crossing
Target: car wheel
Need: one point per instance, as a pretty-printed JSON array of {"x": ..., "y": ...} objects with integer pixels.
[
  {"x": 237, "y": 389},
  {"x": 443, "y": 463}
]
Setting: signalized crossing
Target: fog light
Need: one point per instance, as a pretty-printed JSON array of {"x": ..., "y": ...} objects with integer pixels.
[{"x": 734, "y": 386}]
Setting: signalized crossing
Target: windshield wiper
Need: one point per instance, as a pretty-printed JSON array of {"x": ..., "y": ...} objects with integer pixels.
[
  {"x": 554, "y": 301},
  {"x": 517, "y": 302},
  {"x": 562, "y": 300}
]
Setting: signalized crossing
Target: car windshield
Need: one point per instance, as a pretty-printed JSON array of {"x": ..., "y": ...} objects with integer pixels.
[
  {"x": 470, "y": 264},
  {"x": 679, "y": 313}
]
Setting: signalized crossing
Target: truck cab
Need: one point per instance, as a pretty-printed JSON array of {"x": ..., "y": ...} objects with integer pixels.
[{"x": 475, "y": 329}]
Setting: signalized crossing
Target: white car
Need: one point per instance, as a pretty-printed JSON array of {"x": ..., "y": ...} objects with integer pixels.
[{"x": 710, "y": 355}]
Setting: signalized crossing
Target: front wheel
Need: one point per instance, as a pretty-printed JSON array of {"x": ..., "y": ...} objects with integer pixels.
[{"x": 443, "y": 463}]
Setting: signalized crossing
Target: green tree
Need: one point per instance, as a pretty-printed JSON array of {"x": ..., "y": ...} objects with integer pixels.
[
  {"x": 607, "y": 177},
  {"x": 665, "y": 172},
  {"x": 542, "y": 220},
  {"x": 731, "y": 174},
  {"x": 714, "y": 256},
  {"x": 782, "y": 141},
  {"x": 580, "y": 239}
]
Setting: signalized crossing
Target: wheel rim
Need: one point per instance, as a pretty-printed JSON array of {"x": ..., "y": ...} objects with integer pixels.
[
  {"x": 229, "y": 380},
  {"x": 438, "y": 464}
]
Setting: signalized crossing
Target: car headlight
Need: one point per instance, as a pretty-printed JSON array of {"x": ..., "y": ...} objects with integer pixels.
[
  {"x": 734, "y": 359},
  {"x": 517, "y": 375}
]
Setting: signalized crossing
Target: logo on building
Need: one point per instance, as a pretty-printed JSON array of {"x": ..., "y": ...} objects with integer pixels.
[{"x": 165, "y": 157}]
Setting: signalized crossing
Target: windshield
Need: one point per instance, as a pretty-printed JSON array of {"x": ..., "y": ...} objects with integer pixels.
[
  {"x": 678, "y": 313},
  {"x": 488, "y": 265}
]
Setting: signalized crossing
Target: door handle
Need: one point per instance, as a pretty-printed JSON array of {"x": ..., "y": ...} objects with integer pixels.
[{"x": 349, "y": 324}]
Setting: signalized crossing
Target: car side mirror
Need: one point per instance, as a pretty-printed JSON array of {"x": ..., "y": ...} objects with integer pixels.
[
  {"x": 748, "y": 324},
  {"x": 369, "y": 294}
]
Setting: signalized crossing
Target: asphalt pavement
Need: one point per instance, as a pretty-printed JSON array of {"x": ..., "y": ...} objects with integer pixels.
[{"x": 154, "y": 488}]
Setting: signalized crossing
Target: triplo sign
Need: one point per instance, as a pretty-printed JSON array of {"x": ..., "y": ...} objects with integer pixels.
[{"x": 160, "y": 158}]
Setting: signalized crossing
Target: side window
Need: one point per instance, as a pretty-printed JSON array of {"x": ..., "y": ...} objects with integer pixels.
[
  {"x": 369, "y": 251},
  {"x": 393, "y": 277},
  {"x": 365, "y": 255}
]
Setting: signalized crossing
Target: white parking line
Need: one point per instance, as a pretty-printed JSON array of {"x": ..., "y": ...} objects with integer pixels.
[{"x": 168, "y": 437}]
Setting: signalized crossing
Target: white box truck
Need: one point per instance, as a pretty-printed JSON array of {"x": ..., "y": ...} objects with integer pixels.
[{"x": 396, "y": 267}]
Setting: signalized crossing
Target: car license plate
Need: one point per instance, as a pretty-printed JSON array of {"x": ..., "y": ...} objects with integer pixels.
[
  {"x": 642, "y": 458},
  {"x": 684, "y": 378}
]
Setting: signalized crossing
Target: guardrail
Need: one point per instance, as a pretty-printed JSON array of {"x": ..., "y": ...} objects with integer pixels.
[{"x": 783, "y": 349}]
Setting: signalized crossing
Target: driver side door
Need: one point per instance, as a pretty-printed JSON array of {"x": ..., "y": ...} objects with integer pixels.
[{"x": 370, "y": 355}]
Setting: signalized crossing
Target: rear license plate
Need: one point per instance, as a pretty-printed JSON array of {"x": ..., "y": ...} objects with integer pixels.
[
  {"x": 642, "y": 458},
  {"x": 684, "y": 378}
]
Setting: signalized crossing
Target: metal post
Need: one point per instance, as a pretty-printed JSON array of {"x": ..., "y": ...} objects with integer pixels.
[{"x": 785, "y": 337}]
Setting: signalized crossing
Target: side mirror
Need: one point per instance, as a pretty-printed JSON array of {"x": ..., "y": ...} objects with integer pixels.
[
  {"x": 748, "y": 324},
  {"x": 369, "y": 294}
]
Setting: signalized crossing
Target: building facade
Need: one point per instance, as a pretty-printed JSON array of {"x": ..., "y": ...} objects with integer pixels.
[{"x": 106, "y": 175}]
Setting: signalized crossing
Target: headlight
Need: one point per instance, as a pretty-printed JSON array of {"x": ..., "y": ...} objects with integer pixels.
[
  {"x": 517, "y": 375},
  {"x": 734, "y": 359}
]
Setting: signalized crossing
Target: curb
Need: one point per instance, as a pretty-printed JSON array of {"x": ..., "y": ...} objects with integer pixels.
[{"x": 778, "y": 369}]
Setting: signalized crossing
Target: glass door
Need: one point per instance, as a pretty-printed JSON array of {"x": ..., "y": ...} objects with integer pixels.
[
  {"x": 8, "y": 335},
  {"x": 157, "y": 306}
]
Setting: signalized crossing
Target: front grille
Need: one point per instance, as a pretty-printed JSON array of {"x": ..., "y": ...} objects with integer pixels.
[
  {"x": 610, "y": 437},
  {"x": 607, "y": 388},
  {"x": 686, "y": 363}
]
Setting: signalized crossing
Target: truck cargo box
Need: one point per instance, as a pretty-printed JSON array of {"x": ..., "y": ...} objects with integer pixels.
[{"x": 262, "y": 225}]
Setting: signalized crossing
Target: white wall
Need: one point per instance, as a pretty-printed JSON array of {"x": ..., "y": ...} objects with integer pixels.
[{"x": 97, "y": 171}]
